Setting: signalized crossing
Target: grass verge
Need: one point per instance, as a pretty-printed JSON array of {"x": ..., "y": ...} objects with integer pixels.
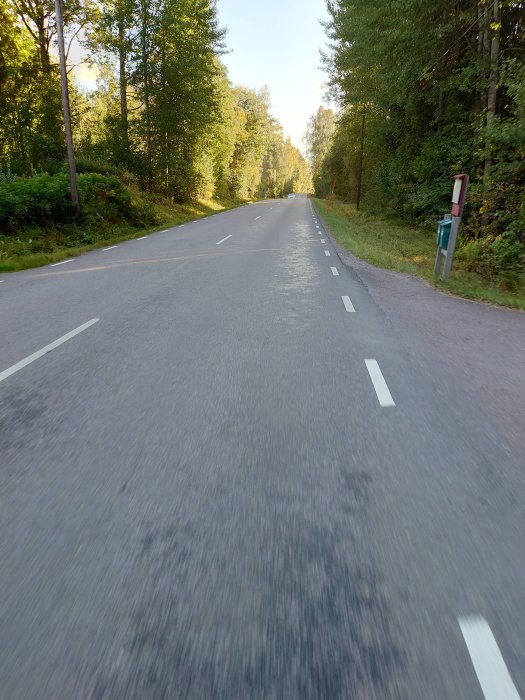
[
  {"x": 165, "y": 215},
  {"x": 396, "y": 246}
]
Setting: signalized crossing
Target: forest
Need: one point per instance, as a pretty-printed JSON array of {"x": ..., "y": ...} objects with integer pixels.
[
  {"x": 426, "y": 89},
  {"x": 164, "y": 119}
]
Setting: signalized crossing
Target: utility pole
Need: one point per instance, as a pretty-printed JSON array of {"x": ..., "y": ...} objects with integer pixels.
[
  {"x": 361, "y": 158},
  {"x": 65, "y": 107}
]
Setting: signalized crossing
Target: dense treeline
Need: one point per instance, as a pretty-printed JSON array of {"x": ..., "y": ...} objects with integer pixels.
[
  {"x": 441, "y": 84},
  {"x": 164, "y": 115}
]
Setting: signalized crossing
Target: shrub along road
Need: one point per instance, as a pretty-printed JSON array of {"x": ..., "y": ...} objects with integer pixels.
[{"x": 231, "y": 472}]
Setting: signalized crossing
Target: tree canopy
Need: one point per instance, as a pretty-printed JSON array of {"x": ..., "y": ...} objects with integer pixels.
[
  {"x": 164, "y": 110},
  {"x": 441, "y": 86}
]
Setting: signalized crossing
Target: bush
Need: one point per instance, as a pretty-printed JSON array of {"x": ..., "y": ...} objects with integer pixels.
[
  {"x": 43, "y": 201},
  {"x": 500, "y": 259},
  {"x": 38, "y": 201},
  {"x": 103, "y": 198},
  {"x": 87, "y": 165},
  {"x": 6, "y": 176}
]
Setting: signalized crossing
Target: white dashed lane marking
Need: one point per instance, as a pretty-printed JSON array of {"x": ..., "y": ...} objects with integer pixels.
[
  {"x": 335, "y": 271},
  {"x": 348, "y": 305},
  {"x": 383, "y": 393},
  {"x": 491, "y": 670},
  {"x": 224, "y": 239},
  {"x": 39, "y": 353},
  {"x": 63, "y": 262},
  {"x": 111, "y": 247},
  {"x": 327, "y": 253}
]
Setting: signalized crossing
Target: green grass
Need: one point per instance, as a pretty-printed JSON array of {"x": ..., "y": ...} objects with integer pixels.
[
  {"x": 165, "y": 215},
  {"x": 396, "y": 246}
]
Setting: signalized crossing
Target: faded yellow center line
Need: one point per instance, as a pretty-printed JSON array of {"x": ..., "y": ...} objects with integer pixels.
[{"x": 150, "y": 261}]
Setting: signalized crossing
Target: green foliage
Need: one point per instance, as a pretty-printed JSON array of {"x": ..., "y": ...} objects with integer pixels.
[
  {"x": 87, "y": 165},
  {"x": 7, "y": 176},
  {"x": 420, "y": 70},
  {"x": 103, "y": 197},
  {"x": 44, "y": 201},
  {"x": 30, "y": 130},
  {"x": 40, "y": 200},
  {"x": 318, "y": 137}
]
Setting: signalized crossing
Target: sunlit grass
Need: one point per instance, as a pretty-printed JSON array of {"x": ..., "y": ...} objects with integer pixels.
[{"x": 397, "y": 246}]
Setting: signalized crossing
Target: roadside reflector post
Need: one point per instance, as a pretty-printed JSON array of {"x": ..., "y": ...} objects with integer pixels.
[{"x": 448, "y": 228}]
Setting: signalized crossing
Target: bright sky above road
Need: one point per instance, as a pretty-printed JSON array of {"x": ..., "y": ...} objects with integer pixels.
[{"x": 276, "y": 43}]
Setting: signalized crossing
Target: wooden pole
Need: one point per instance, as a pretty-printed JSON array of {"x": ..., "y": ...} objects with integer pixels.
[{"x": 65, "y": 107}]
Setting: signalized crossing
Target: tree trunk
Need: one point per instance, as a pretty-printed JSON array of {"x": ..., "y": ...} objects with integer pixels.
[
  {"x": 123, "y": 85},
  {"x": 491, "y": 106},
  {"x": 360, "y": 163},
  {"x": 65, "y": 105},
  {"x": 146, "y": 95},
  {"x": 42, "y": 43},
  {"x": 19, "y": 131},
  {"x": 482, "y": 24}
]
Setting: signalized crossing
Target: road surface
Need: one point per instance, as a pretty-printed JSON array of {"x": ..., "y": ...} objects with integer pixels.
[{"x": 237, "y": 465}]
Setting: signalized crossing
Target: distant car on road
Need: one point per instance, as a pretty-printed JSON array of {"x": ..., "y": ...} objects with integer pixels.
[{"x": 291, "y": 196}]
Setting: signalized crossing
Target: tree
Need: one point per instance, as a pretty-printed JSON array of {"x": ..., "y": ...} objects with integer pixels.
[
  {"x": 438, "y": 79},
  {"x": 318, "y": 138},
  {"x": 111, "y": 37},
  {"x": 30, "y": 127}
]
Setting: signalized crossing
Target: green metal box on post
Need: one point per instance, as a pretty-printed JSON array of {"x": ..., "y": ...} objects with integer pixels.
[
  {"x": 443, "y": 233},
  {"x": 448, "y": 227}
]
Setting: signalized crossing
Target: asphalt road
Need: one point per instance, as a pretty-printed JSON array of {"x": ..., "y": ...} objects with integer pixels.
[{"x": 257, "y": 477}]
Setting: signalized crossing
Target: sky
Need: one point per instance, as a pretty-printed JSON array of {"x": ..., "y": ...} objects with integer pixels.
[
  {"x": 269, "y": 42},
  {"x": 276, "y": 43}
]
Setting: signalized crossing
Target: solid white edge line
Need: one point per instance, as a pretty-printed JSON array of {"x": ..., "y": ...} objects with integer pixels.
[
  {"x": 491, "y": 670},
  {"x": 111, "y": 247},
  {"x": 348, "y": 305},
  {"x": 383, "y": 394},
  {"x": 39, "y": 353},
  {"x": 63, "y": 262},
  {"x": 335, "y": 271},
  {"x": 224, "y": 239},
  {"x": 327, "y": 253}
]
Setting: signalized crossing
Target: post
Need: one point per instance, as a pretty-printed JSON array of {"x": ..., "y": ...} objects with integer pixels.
[
  {"x": 361, "y": 158},
  {"x": 65, "y": 107},
  {"x": 445, "y": 258},
  {"x": 451, "y": 249}
]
